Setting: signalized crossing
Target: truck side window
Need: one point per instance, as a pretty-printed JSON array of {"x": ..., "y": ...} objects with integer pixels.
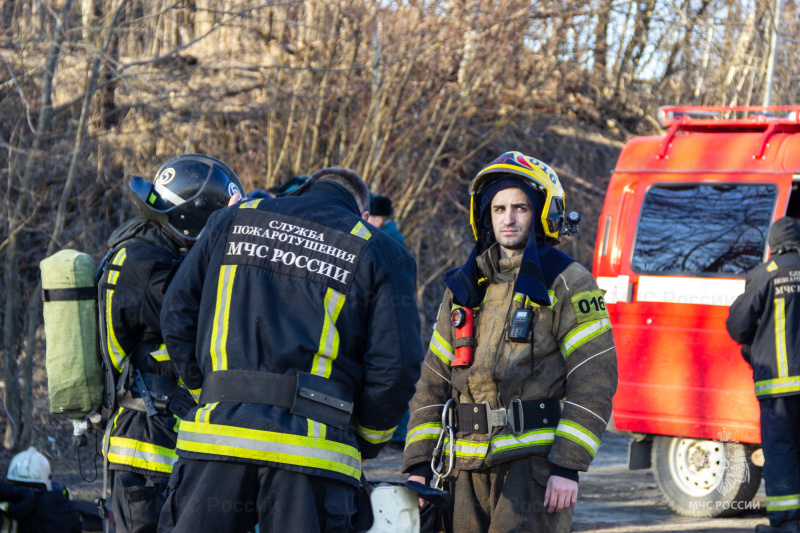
[{"x": 703, "y": 228}]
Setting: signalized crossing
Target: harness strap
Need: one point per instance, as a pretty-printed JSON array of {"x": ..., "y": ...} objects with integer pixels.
[
  {"x": 69, "y": 295},
  {"x": 520, "y": 416},
  {"x": 166, "y": 396}
]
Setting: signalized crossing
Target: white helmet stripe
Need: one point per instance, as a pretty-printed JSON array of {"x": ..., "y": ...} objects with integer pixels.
[{"x": 167, "y": 194}]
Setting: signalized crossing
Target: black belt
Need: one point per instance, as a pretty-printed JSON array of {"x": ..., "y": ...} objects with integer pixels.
[
  {"x": 306, "y": 395},
  {"x": 248, "y": 386},
  {"x": 519, "y": 416}
]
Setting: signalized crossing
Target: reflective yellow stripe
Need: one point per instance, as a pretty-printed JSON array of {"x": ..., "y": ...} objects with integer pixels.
[
  {"x": 442, "y": 348},
  {"x": 582, "y": 334},
  {"x": 219, "y": 333},
  {"x": 577, "y": 433},
  {"x": 374, "y": 436},
  {"x": 251, "y": 204},
  {"x": 423, "y": 432},
  {"x": 316, "y": 430},
  {"x": 788, "y": 502},
  {"x": 467, "y": 449},
  {"x": 769, "y": 387},
  {"x": 195, "y": 393},
  {"x": 202, "y": 415},
  {"x": 139, "y": 454},
  {"x": 322, "y": 364},
  {"x": 360, "y": 230},
  {"x": 530, "y": 303},
  {"x": 780, "y": 337},
  {"x": 114, "y": 349},
  {"x": 161, "y": 354},
  {"x": 261, "y": 445},
  {"x": 537, "y": 437}
]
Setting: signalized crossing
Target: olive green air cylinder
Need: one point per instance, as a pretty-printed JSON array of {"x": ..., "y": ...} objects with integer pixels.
[{"x": 73, "y": 361}]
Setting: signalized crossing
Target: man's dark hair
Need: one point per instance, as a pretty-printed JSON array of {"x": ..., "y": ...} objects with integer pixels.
[{"x": 347, "y": 179}]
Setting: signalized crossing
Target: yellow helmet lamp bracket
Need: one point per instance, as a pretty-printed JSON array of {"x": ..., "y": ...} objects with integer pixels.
[{"x": 536, "y": 174}]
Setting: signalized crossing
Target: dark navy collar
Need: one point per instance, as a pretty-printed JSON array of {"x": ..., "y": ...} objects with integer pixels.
[{"x": 332, "y": 192}]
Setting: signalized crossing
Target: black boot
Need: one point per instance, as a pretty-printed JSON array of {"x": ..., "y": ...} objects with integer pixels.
[{"x": 790, "y": 526}]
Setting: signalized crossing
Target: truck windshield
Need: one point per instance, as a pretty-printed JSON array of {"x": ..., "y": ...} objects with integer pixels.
[{"x": 703, "y": 228}]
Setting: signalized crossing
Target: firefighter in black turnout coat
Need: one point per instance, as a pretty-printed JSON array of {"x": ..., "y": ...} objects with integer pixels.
[
  {"x": 767, "y": 316},
  {"x": 299, "y": 322},
  {"x": 141, "y": 427}
]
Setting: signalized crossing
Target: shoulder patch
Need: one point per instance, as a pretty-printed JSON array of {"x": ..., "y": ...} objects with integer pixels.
[
  {"x": 589, "y": 305},
  {"x": 772, "y": 267}
]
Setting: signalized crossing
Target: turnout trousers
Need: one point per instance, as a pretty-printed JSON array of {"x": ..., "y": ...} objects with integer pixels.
[
  {"x": 780, "y": 439},
  {"x": 508, "y": 498},
  {"x": 136, "y": 501},
  {"x": 234, "y": 497}
]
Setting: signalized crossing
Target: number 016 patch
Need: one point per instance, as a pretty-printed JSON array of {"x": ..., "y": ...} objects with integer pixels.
[{"x": 589, "y": 305}]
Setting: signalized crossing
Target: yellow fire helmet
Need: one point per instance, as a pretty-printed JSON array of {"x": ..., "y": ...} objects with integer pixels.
[{"x": 536, "y": 174}]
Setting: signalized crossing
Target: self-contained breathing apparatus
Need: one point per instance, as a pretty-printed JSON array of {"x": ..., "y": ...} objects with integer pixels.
[{"x": 82, "y": 382}]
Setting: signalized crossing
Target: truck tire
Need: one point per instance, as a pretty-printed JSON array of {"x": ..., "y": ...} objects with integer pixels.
[{"x": 704, "y": 478}]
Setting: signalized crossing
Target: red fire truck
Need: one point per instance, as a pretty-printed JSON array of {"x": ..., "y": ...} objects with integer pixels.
[{"x": 685, "y": 217}]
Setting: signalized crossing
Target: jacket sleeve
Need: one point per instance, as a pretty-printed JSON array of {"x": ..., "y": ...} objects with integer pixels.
[
  {"x": 181, "y": 309},
  {"x": 433, "y": 390},
  {"x": 746, "y": 310},
  {"x": 132, "y": 297},
  {"x": 392, "y": 359},
  {"x": 583, "y": 330}
]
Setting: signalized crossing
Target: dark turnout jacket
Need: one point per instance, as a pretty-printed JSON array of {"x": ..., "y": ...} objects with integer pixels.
[
  {"x": 767, "y": 316},
  {"x": 130, "y": 304},
  {"x": 299, "y": 322}
]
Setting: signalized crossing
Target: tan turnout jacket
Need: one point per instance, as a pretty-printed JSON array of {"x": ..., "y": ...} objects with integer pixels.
[{"x": 573, "y": 360}]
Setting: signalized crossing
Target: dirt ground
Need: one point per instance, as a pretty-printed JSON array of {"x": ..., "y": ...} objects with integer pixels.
[{"x": 613, "y": 499}]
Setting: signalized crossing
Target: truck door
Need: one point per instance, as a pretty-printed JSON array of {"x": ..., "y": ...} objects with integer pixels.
[{"x": 686, "y": 244}]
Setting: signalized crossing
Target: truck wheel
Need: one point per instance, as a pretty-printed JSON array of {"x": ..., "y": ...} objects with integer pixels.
[{"x": 704, "y": 478}]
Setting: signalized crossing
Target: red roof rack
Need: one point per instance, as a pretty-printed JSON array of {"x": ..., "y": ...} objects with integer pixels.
[{"x": 768, "y": 120}]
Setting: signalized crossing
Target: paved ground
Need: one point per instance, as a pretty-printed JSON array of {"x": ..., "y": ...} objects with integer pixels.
[{"x": 613, "y": 499}]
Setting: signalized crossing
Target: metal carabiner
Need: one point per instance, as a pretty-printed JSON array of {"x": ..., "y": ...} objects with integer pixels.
[
  {"x": 439, "y": 476},
  {"x": 438, "y": 451}
]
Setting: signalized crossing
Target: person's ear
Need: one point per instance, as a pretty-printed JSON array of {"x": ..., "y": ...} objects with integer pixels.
[{"x": 365, "y": 215}]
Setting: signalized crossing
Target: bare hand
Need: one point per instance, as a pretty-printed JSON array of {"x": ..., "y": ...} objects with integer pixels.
[
  {"x": 560, "y": 494},
  {"x": 419, "y": 479},
  {"x": 235, "y": 198}
]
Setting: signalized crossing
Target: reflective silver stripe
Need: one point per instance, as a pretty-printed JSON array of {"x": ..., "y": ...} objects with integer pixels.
[
  {"x": 777, "y": 386},
  {"x": 270, "y": 450},
  {"x": 223, "y": 301},
  {"x": 441, "y": 348},
  {"x": 424, "y": 431},
  {"x": 584, "y": 333},
  {"x": 360, "y": 230},
  {"x": 160, "y": 355},
  {"x": 783, "y": 503},
  {"x": 375, "y": 436},
  {"x": 168, "y": 194},
  {"x": 579, "y": 434},
  {"x": 539, "y": 437},
  {"x": 329, "y": 343},
  {"x": 465, "y": 448},
  {"x": 315, "y": 429},
  {"x": 140, "y": 455}
]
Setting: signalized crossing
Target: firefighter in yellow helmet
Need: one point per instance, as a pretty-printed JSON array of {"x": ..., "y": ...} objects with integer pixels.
[{"x": 522, "y": 358}]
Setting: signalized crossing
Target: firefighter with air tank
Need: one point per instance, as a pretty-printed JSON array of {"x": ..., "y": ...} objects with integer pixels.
[
  {"x": 144, "y": 396},
  {"x": 522, "y": 330}
]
